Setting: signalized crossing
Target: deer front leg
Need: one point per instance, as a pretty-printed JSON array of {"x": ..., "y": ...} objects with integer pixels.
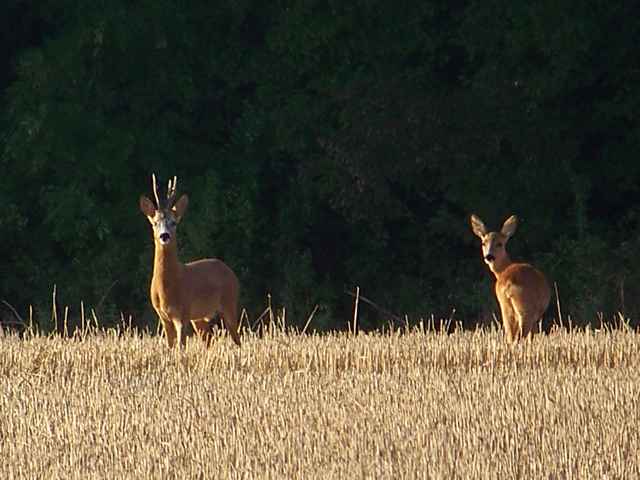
[
  {"x": 169, "y": 331},
  {"x": 181, "y": 333}
]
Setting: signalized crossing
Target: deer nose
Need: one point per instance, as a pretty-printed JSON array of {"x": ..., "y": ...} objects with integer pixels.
[
  {"x": 165, "y": 237},
  {"x": 489, "y": 258}
]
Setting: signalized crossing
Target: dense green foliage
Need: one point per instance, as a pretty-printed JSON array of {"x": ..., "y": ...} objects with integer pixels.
[{"x": 324, "y": 145}]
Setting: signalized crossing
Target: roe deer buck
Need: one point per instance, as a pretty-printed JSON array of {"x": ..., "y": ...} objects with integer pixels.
[
  {"x": 522, "y": 291},
  {"x": 194, "y": 292}
]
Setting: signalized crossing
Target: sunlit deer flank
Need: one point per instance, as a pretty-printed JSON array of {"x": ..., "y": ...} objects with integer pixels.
[
  {"x": 522, "y": 291},
  {"x": 186, "y": 293}
]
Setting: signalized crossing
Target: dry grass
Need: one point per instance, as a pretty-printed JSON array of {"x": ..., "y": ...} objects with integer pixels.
[{"x": 337, "y": 406}]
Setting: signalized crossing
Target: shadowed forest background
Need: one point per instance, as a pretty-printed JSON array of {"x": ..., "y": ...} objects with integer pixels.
[{"x": 324, "y": 145}]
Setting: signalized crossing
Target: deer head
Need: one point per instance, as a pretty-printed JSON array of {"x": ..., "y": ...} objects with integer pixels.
[
  {"x": 165, "y": 215},
  {"x": 494, "y": 244}
]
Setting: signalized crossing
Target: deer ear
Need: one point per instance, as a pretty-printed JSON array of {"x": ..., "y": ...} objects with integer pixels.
[
  {"x": 477, "y": 226},
  {"x": 510, "y": 225},
  {"x": 180, "y": 207},
  {"x": 147, "y": 207}
]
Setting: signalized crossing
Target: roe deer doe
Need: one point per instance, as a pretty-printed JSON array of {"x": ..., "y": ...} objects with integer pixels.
[
  {"x": 194, "y": 292},
  {"x": 522, "y": 291}
]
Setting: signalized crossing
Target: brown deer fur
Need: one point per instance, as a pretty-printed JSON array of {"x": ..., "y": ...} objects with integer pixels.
[
  {"x": 522, "y": 291},
  {"x": 187, "y": 295}
]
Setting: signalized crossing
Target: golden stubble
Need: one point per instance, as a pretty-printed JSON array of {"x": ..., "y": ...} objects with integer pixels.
[{"x": 411, "y": 405}]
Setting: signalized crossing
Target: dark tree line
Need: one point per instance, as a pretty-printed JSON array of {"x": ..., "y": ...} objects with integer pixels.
[{"x": 324, "y": 145}]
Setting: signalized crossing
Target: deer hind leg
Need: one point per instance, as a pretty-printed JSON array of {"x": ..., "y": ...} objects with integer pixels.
[
  {"x": 509, "y": 323},
  {"x": 230, "y": 320},
  {"x": 527, "y": 318},
  {"x": 203, "y": 328},
  {"x": 535, "y": 324}
]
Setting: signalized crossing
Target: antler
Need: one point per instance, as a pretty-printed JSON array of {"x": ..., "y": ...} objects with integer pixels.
[
  {"x": 155, "y": 190},
  {"x": 171, "y": 191}
]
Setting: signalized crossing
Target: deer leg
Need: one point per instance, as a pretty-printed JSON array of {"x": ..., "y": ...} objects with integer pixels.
[
  {"x": 169, "y": 331},
  {"x": 526, "y": 325},
  {"x": 526, "y": 322},
  {"x": 230, "y": 321},
  {"x": 508, "y": 322},
  {"x": 180, "y": 333},
  {"x": 203, "y": 329},
  {"x": 510, "y": 331}
]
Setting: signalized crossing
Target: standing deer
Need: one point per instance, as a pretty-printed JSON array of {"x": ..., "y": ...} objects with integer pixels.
[
  {"x": 194, "y": 292},
  {"x": 522, "y": 291}
]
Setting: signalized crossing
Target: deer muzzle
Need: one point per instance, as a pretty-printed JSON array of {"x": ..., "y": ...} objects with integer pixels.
[{"x": 164, "y": 235}]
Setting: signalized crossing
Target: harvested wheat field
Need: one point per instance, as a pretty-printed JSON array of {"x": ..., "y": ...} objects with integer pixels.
[{"x": 411, "y": 405}]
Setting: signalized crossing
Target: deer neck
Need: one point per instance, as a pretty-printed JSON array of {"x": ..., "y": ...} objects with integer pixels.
[
  {"x": 499, "y": 266},
  {"x": 166, "y": 267}
]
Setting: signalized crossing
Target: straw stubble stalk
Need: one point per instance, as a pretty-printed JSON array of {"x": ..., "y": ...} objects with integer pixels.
[
  {"x": 336, "y": 405},
  {"x": 356, "y": 303}
]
